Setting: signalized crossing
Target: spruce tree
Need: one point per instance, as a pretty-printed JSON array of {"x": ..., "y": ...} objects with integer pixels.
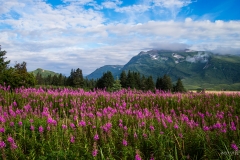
[
  {"x": 159, "y": 83},
  {"x": 167, "y": 83},
  {"x": 179, "y": 86},
  {"x": 3, "y": 63},
  {"x": 123, "y": 79},
  {"x": 149, "y": 83}
]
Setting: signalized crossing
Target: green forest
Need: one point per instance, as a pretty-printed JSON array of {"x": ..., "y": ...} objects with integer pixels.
[{"x": 18, "y": 76}]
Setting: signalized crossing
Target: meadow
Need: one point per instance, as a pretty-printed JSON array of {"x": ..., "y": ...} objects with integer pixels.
[{"x": 127, "y": 124}]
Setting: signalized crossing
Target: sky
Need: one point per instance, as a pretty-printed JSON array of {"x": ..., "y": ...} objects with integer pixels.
[{"x": 60, "y": 35}]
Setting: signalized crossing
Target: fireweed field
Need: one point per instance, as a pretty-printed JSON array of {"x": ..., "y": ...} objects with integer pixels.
[{"x": 75, "y": 124}]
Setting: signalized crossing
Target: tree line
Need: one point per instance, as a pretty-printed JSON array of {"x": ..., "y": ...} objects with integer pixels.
[{"x": 18, "y": 76}]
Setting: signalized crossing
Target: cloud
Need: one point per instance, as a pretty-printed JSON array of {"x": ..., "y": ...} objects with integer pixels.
[
  {"x": 73, "y": 36},
  {"x": 111, "y": 4}
]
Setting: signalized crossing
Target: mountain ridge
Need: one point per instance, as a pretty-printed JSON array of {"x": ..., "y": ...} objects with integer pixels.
[{"x": 197, "y": 69}]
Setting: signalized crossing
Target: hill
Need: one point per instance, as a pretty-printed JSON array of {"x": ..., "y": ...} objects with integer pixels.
[
  {"x": 99, "y": 72},
  {"x": 43, "y": 72}
]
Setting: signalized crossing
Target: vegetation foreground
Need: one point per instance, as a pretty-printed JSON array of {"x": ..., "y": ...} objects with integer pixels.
[{"x": 126, "y": 124}]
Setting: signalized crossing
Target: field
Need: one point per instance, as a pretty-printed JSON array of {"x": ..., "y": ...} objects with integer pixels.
[{"x": 75, "y": 124}]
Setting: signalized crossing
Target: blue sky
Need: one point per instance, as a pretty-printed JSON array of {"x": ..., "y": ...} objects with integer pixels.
[{"x": 59, "y": 35}]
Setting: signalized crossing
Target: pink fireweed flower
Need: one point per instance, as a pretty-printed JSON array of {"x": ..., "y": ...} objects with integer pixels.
[
  {"x": 2, "y": 130},
  {"x": 72, "y": 125},
  {"x": 31, "y": 121},
  {"x": 82, "y": 123},
  {"x": 72, "y": 139},
  {"x": 135, "y": 135},
  {"x": 14, "y": 103},
  {"x": 13, "y": 146},
  {"x": 138, "y": 157},
  {"x": 96, "y": 137},
  {"x": 176, "y": 126},
  {"x": 234, "y": 146},
  {"x": 144, "y": 135},
  {"x": 152, "y": 128},
  {"x": 40, "y": 129},
  {"x": 20, "y": 123},
  {"x": 206, "y": 128},
  {"x": 125, "y": 128},
  {"x": 32, "y": 128},
  {"x": 48, "y": 128},
  {"x": 10, "y": 139},
  {"x": 64, "y": 126},
  {"x": 161, "y": 132},
  {"x": 124, "y": 142},
  {"x": 233, "y": 127},
  {"x": 120, "y": 125},
  {"x": 11, "y": 124},
  {"x": 2, "y": 144},
  {"x": 180, "y": 135},
  {"x": 94, "y": 152}
]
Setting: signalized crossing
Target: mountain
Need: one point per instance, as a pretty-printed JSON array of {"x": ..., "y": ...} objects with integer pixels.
[
  {"x": 43, "y": 72},
  {"x": 115, "y": 69},
  {"x": 197, "y": 69}
]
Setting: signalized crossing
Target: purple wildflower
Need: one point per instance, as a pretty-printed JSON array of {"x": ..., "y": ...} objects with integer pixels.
[
  {"x": 176, "y": 126},
  {"x": 94, "y": 152},
  {"x": 2, "y": 144},
  {"x": 2, "y": 130},
  {"x": 64, "y": 126},
  {"x": 234, "y": 146},
  {"x": 11, "y": 124},
  {"x": 72, "y": 125},
  {"x": 32, "y": 128},
  {"x": 10, "y": 139},
  {"x": 96, "y": 137},
  {"x": 31, "y": 121},
  {"x": 40, "y": 129},
  {"x": 72, "y": 139},
  {"x": 20, "y": 123},
  {"x": 152, "y": 128},
  {"x": 138, "y": 157},
  {"x": 124, "y": 142}
]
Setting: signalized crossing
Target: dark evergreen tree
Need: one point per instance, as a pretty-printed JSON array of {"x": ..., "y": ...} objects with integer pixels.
[
  {"x": 159, "y": 83},
  {"x": 123, "y": 79},
  {"x": 106, "y": 81},
  {"x": 167, "y": 83},
  {"x": 39, "y": 79},
  {"x": 179, "y": 86},
  {"x": 78, "y": 78},
  {"x": 137, "y": 80},
  {"x": 143, "y": 83},
  {"x": 149, "y": 83},
  {"x": 116, "y": 85},
  {"x": 130, "y": 80},
  {"x": 55, "y": 80},
  {"x": 3, "y": 63}
]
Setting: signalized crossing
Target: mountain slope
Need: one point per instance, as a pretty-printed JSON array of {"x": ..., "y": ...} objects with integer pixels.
[
  {"x": 43, "y": 72},
  {"x": 197, "y": 69},
  {"x": 99, "y": 72}
]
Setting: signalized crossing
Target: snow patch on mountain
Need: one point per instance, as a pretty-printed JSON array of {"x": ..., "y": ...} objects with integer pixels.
[
  {"x": 200, "y": 57},
  {"x": 177, "y": 56}
]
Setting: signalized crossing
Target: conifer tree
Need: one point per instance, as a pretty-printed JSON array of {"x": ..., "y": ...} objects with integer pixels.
[
  {"x": 179, "y": 86},
  {"x": 123, "y": 79},
  {"x": 167, "y": 83},
  {"x": 149, "y": 84}
]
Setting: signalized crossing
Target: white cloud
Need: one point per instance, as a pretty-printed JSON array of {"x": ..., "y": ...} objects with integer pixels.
[
  {"x": 70, "y": 36},
  {"x": 111, "y": 4}
]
